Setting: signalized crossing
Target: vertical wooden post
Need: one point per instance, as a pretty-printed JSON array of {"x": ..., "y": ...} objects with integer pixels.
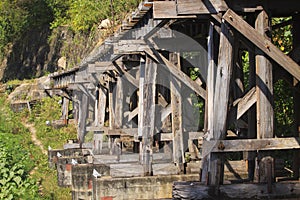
[
  {"x": 65, "y": 109},
  {"x": 118, "y": 103},
  {"x": 209, "y": 103},
  {"x": 140, "y": 99},
  {"x": 176, "y": 103},
  {"x": 111, "y": 104},
  {"x": 264, "y": 84},
  {"x": 101, "y": 105},
  {"x": 75, "y": 102},
  {"x": 296, "y": 44},
  {"x": 147, "y": 98},
  {"x": 221, "y": 97},
  {"x": 83, "y": 113}
]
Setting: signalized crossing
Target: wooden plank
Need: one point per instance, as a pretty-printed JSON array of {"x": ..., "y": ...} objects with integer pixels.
[
  {"x": 83, "y": 113},
  {"x": 176, "y": 105},
  {"x": 177, "y": 73},
  {"x": 200, "y": 7},
  {"x": 195, "y": 135},
  {"x": 140, "y": 102},
  {"x": 262, "y": 43},
  {"x": 100, "y": 67},
  {"x": 133, "y": 113},
  {"x": 101, "y": 106},
  {"x": 147, "y": 97},
  {"x": 65, "y": 109},
  {"x": 166, "y": 137},
  {"x": 118, "y": 103},
  {"x": 264, "y": 84},
  {"x": 110, "y": 105},
  {"x": 195, "y": 190},
  {"x": 126, "y": 76},
  {"x": 251, "y": 145},
  {"x": 123, "y": 131},
  {"x": 246, "y": 102},
  {"x": 209, "y": 101},
  {"x": 165, "y": 112},
  {"x": 129, "y": 46},
  {"x": 167, "y": 10},
  {"x": 221, "y": 99}
]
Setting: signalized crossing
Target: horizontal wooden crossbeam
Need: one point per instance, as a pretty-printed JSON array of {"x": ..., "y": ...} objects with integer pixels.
[{"x": 218, "y": 146}]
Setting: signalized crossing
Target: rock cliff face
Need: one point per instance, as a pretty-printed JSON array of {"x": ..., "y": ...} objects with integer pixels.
[
  {"x": 28, "y": 57},
  {"x": 41, "y": 51}
]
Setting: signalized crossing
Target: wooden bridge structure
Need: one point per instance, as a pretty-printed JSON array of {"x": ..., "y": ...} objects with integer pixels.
[{"x": 136, "y": 91}]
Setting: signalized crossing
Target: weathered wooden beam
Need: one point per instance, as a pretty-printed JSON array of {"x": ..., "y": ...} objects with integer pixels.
[
  {"x": 118, "y": 103},
  {"x": 244, "y": 103},
  {"x": 167, "y": 10},
  {"x": 83, "y": 114},
  {"x": 64, "y": 109},
  {"x": 147, "y": 123},
  {"x": 123, "y": 131},
  {"x": 100, "y": 67},
  {"x": 251, "y": 145},
  {"x": 111, "y": 104},
  {"x": 177, "y": 73},
  {"x": 209, "y": 101},
  {"x": 176, "y": 105},
  {"x": 165, "y": 112},
  {"x": 221, "y": 100},
  {"x": 133, "y": 113},
  {"x": 264, "y": 83},
  {"x": 262, "y": 43},
  {"x": 140, "y": 101},
  {"x": 251, "y": 191},
  {"x": 200, "y": 7},
  {"x": 102, "y": 92},
  {"x": 129, "y": 46},
  {"x": 126, "y": 76}
]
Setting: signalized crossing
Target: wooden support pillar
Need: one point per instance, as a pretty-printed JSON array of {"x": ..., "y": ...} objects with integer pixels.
[
  {"x": 296, "y": 45},
  {"x": 209, "y": 103},
  {"x": 264, "y": 84},
  {"x": 176, "y": 104},
  {"x": 140, "y": 100},
  {"x": 221, "y": 98},
  {"x": 65, "y": 109},
  {"x": 147, "y": 116},
  {"x": 111, "y": 104},
  {"x": 101, "y": 106},
  {"x": 118, "y": 103},
  {"x": 83, "y": 114},
  {"x": 75, "y": 102},
  {"x": 264, "y": 87}
]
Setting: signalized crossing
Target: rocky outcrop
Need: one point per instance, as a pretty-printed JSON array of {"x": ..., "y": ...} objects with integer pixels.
[{"x": 42, "y": 50}]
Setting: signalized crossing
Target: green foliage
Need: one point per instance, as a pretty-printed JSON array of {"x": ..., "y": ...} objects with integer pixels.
[
  {"x": 283, "y": 96},
  {"x": 49, "y": 110},
  {"x": 16, "y": 159},
  {"x": 283, "y": 100},
  {"x": 83, "y": 15},
  {"x": 282, "y": 37},
  {"x": 13, "y": 18}
]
